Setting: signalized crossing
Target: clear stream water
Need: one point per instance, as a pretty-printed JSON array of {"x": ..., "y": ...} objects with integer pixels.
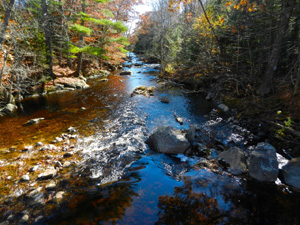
[{"x": 120, "y": 180}]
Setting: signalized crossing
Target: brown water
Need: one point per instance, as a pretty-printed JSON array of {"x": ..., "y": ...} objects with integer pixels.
[{"x": 120, "y": 180}]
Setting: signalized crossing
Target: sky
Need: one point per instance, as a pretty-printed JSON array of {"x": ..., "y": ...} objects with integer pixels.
[{"x": 142, "y": 8}]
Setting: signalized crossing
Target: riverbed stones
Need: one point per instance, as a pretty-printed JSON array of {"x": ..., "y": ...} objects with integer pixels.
[
  {"x": 9, "y": 108},
  {"x": 25, "y": 178},
  {"x": 68, "y": 154},
  {"x": 34, "y": 168},
  {"x": 34, "y": 121},
  {"x": 59, "y": 196},
  {"x": 263, "y": 165},
  {"x": 66, "y": 164},
  {"x": 168, "y": 140},
  {"x": 25, "y": 218},
  {"x": 48, "y": 174},
  {"x": 235, "y": 158},
  {"x": 291, "y": 172},
  {"x": 57, "y": 140},
  {"x": 126, "y": 73},
  {"x": 27, "y": 149},
  {"x": 71, "y": 130},
  {"x": 39, "y": 144},
  {"x": 51, "y": 186}
]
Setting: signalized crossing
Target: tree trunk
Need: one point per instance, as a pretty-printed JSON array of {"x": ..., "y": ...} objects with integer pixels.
[
  {"x": 5, "y": 22},
  {"x": 267, "y": 82},
  {"x": 298, "y": 77},
  {"x": 48, "y": 38},
  {"x": 2, "y": 33},
  {"x": 80, "y": 54}
]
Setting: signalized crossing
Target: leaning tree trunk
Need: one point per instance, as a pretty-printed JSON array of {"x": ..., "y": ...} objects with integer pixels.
[
  {"x": 48, "y": 38},
  {"x": 6, "y": 20},
  {"x": 80, "y": 54},
  {"x": 267, "y": 82},
  {"x": 3, "y": 31}
]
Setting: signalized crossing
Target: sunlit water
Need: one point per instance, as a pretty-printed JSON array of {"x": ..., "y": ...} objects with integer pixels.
[{"x": 121, "y": 181}]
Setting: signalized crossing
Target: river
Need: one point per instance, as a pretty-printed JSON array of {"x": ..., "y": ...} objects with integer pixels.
[{"x": 119, "y": 180}]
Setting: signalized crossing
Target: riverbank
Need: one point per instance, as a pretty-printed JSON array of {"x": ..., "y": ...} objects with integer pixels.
[{"x": 274, "y": 118}]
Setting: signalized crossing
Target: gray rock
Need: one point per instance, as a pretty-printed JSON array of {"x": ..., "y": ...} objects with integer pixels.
[
  {"x": 263, "y": 164},
  {"x": 59, "y": 196},
  {"x": 68, "y": 154},
  {"x": 39, "y": 144},
  {"x": 9, "y": 108},
  {"x": 25, "y": 218},
  {"x": 126, "y": 72},
  {"x": 201, "y": 150},
  {"x": 34, "y": 168},
  {"x": 291, "y": 172},
  {"x": 66, "y": 164},
  {"x": 27, "y": 149},
  {"x": 236, "y": 159},
  {"x": 51, "y": 186},
  {"x": 71, "y": 130},
  {"x": 168, "y": 140},
  {"x": 25, "y": 178},
  {"x": 5, "y": 223},
  {"x": 223, "y": 107},
  {"x": 57, "y": 139},
  {"x": 36, "y": 197},
  {"x": 34, "y": 121},
  {"x": 47, "y": 174},
  {"x": 164, "y": 99},
  {"x": 190, "y": 134}
]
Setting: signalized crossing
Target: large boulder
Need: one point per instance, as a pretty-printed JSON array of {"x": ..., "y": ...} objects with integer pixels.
[
  {"x": 168, "y": 140},
  {"x": 235, "y": 158},
  {"x": 71, "y": 82},
  {"x": 291, "y": 172},
  {"x": 263, "y": 164}
]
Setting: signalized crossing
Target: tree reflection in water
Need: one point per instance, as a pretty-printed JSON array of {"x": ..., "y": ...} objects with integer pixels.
[{"x": 189, "y": 206}]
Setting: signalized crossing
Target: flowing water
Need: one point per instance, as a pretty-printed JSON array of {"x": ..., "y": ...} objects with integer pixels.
[{"x": 120, "y": 180}]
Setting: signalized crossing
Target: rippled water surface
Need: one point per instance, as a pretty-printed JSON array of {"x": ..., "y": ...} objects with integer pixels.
[{"x": 120, "y": 180}]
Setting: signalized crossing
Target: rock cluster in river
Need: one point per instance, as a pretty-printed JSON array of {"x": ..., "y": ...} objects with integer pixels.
[{"x": 258, "y": 162}]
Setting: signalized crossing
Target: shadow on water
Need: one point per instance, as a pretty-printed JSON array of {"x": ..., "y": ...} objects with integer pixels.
[{"x": 120, "y": 180}]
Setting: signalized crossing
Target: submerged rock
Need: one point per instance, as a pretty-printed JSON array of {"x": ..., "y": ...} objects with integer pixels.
[
  {"x": 235, "y": 158},
  {"x": 34, "y": 121},
  {"x": 164, "y": 99},
  {"x": 143, "y": 90},
  {"x": 168, "y": 140},
  {"x": 291, "y": 172},
  {"x": 126, "y": 73},
  {"x": 263, "y": 164},
  {"x": 48, "y": 174}
]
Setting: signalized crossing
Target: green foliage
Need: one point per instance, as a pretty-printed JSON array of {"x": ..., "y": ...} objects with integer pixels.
[
  {"x": 81, "y": 29},
  {"x": 121, "y": 40},
  {"x": 97, "y": 51}
]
